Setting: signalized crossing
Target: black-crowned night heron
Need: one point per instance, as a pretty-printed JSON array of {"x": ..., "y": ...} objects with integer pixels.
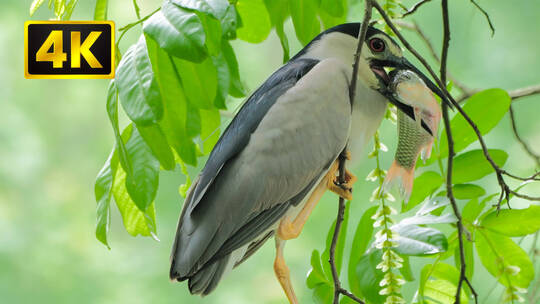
[{"x": 279, "y": 155}]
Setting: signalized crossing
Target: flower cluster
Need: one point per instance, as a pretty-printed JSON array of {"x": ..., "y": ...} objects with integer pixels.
[{"x": 384, "y": 238}]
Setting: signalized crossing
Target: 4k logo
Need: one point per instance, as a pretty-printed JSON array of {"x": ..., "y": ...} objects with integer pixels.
[{"x": 69, "y": 49}]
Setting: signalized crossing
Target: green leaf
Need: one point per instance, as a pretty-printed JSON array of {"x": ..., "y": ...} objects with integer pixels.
[
  {"x": 100, "y": 12},
  {"x": 212, "y": 29},
  {"x": 112, "y": 111},
  {"x": 442, "y": 291},
  {"x": 472, "y": 165},
  {"x": 103, "y": 193},
  {"x": 424, "y": 185},
  {"x": 468, "y": 191},
  {"x": 514, "y": 222},
  {"x": 316, "y": 273},
  {"x": 335, "y": 8},
  {"x": 210, "y": 122},
  {"x": 255, "y": 21},
  {"x": 279, "y": 11},
  {"x": 202, "y": 6},
  {"x": 35, "y": 5},
  {"x": 406, "y": 270},
  {"x": 135, "y": 221},
  {"x": 157, "y": 142},
  {"x": 229, "y": 22},
  {"x": 333, "y": 12},
  {"x": 472, "y": 210},
  {"x": 59, "y": 8},
  {"x": 486, "y": 109},
  {"x": 236, "y": 86},
  {"x": 174, "y": 122},
  {"x": 221, "y": 10},
  {"x": 316, "y": 280},
  {"x": 223, "y": 81},
  {"x": 443, "y": 288},
  {"x": 323, "y": 293},
  {"x": 304, "y": 17},
  {"x": 504, "y": 259},
  {"x": 424, "y": 219},
  {"x": 178, "y": 31},
  {"x": 199, "y": 80},
  {"x": 142, "y": 182},
  {"x": 69, "y": 9},
  {"x": 369, "y": 277},
  {"x": 139, "y": 93},
  {"x": 419, "y": 241},
  {"x": 193, "y": 121},
  {"x": 362, "y": 236}
]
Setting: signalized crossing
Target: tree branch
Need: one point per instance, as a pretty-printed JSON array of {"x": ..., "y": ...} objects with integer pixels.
[
  {"x": 486, "y": 15},
  {"x": 415, "y": 7},
  {"x": 525, "y": 146},
  {"x": 413, "y": 26},
  {"x": 527, "y": 91},
  {"x": 451, "y": 154},
  {"x": 342, "y": 158}
]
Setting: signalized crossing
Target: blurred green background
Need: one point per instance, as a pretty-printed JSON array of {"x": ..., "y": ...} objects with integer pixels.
[{"x": 55, "y": 136}]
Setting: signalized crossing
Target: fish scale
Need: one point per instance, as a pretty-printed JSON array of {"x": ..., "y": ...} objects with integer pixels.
[{"x": 411, "y": 139}]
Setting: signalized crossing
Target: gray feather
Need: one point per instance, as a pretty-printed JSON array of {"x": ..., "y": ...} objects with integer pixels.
[{"x": 253, "y": 176}]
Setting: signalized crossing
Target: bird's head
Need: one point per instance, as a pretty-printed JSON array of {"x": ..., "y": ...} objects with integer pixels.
[{"x": 380, "y": 54}]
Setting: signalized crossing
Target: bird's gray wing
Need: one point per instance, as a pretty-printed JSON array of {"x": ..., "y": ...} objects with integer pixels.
[
  {"x": 290, "y": 148},
  {"x": 237, "y": 134}
]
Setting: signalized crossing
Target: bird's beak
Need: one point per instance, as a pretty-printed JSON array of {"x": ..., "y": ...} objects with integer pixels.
[{"x": 377, "y": 66}]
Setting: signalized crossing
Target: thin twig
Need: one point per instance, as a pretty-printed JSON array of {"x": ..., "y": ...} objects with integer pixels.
[
  {"x": 525, "y": 146},
  {"x": 533, "y": 177},
  {"x": 342, "y": 158},
  {"x": 451, "y": 154},
  {"x": 415, "y": 7},
  {"x": 486, "y": 15},
  {"x": 413, "y": 26},
  {"x": 127, "y": 27},
  {"x": 514, "y": 94},
  {"x": 526, "y": 91}
]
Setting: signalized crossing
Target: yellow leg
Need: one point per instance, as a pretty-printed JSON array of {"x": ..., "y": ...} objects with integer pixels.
[
  {"x": 282, "y": 271},
  {"x": 291, "y": 229}
]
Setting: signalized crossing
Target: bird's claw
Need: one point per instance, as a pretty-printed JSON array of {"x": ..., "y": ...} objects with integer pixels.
[{"x": 344, "y": 189}]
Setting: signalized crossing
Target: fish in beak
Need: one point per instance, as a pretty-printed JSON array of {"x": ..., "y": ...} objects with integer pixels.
[
  {"x": 379, "y": 68},
  {"x": 410, "y": 89}
]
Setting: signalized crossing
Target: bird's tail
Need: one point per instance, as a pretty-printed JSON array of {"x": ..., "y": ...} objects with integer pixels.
[
  {"x": 397, "y": 173},
  {"x": 206, "y": 280}
]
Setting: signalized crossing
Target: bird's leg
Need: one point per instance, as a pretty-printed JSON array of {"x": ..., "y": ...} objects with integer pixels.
[
  {"x": 291, "y": 229},
  {"x": 344, "y": 190},
  {"x": 282, "y": 271}
]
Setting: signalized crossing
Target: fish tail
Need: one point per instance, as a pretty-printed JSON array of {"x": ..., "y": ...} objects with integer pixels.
[
  {"x": 426, "y": 152},
  {"x": 398, "y": 173}
]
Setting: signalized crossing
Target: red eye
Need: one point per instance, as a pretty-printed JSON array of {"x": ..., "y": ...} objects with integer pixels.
[{"x": 376, "y": 45}]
